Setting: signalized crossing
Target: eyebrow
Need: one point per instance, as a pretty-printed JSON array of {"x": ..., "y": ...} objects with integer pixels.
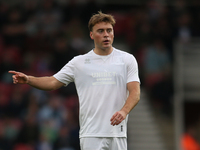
[{"x": 104, "y": 29}]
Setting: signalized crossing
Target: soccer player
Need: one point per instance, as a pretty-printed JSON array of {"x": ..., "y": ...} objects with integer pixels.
[{"x": 107, "y": 84}]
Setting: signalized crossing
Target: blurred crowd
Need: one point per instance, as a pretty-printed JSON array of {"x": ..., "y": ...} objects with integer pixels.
[{"x": 40, "y": 37}]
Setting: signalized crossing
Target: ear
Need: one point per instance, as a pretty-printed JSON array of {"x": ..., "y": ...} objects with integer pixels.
[{"x": 91, "y": 35}]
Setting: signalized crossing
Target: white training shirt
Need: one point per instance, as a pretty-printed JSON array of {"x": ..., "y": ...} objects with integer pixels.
[{"x": 101, "y": 83}]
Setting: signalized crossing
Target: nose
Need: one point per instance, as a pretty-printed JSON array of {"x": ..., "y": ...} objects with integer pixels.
[{"x": 105, "y": 33}]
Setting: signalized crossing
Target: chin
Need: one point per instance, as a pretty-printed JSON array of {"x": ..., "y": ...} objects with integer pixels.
[{"x": 107, "y": 47}]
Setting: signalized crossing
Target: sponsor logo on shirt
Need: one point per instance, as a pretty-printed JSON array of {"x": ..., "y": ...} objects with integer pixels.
[
  {"x": 103, "y": 78},
  {"x": 87, "y": 61}
]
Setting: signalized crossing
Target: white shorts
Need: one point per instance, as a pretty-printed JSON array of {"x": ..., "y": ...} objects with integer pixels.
[{"x": 101, "y": 143}]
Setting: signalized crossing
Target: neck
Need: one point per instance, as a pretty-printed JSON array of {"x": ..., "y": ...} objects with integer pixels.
[{"x": 103, "y": 51}]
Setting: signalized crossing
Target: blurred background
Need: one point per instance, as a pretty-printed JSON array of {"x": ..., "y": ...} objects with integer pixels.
[{"x": 38, "y": 37}]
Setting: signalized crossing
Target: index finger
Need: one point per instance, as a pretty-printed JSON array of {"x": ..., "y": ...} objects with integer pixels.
[{"x": 13, "y": 72}]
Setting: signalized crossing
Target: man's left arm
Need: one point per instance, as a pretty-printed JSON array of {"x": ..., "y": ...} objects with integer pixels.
[{"x": 131, "y": 102}]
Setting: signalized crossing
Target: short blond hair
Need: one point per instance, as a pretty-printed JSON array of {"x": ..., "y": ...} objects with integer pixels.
[{"x": 100, "y": 17}]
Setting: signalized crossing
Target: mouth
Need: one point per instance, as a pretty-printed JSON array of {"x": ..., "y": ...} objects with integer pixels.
[{"x": 106, "y": 41}]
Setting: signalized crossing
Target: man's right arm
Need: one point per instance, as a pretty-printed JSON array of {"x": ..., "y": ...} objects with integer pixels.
[{"x": 42, "y": 83}]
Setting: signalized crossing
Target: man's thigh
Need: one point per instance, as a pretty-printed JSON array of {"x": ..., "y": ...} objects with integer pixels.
[
  {"x": 103, "y": 143},
  {"x": 93, "y": 143},
  {"x": 118, "y": 143}
]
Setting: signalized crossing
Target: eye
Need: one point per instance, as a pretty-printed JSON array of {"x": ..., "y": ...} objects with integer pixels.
[
  {"x": 109, "y": 30},
  {"x": 100, "y": 30}
]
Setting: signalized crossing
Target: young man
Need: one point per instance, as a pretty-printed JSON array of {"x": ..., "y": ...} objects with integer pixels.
[{"x": 107, "y": 84}]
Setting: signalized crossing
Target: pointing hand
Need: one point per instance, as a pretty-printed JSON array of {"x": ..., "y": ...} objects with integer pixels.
[{"x": 19, "y": 78}]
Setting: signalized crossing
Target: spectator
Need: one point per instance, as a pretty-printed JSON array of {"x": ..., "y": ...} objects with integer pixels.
[
  {"x": 62, "y": 53},
  {"x": 17, "y": 103},
  {"x": 14, "y": 28},
  {"x": 189, "y": 139},
  {"x": 63, "y": 141},
  {"x": 53, "y": 113},
  {"x": 29, "y": 133},
  {"x": 49, "y": 18},
  {"x": 157, "y": 67}
]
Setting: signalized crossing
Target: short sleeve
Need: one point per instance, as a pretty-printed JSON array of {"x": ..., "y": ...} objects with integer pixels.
[
  {"x": 132, "y": 69},
  {"x": 66, "y": 74}
]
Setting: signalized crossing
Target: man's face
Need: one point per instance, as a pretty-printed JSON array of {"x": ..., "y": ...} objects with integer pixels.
[{"x": 103, "y": 35}]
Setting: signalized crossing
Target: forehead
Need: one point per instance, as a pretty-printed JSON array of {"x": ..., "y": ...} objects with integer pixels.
[{"x": 102, "y": 25}]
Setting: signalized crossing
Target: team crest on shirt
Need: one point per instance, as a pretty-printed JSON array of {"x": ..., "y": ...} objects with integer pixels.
[{"x": 87, "y": 61}]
